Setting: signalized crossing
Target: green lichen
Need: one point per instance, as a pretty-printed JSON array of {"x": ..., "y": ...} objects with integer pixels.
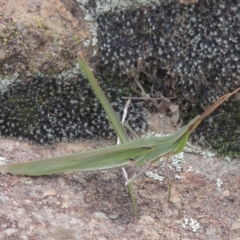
[
  {"x": 47, "y": 110},
  {"x": 224, "y": 134},
  {"x": 221, "y": 130},
  {"x": 39, "y": 22}
]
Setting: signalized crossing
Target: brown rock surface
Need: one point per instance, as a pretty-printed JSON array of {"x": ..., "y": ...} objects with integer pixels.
[
  {"x": 96, "y": 205},
  {"x": 40, "y": 36}
]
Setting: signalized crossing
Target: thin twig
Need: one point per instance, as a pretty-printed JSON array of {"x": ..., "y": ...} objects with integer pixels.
[
  {"x": 165, "y": 101},
  {"x": 124, "y": 115},
  {"x": 217, "y": 115},
  {"x": 130, "y": 188},
  {"x": 194, "y": 147},
  {"x": 131, "y": 180},
  {"x": 168, "y": 177},
  {"x": 118, "y": 139},
  {"x": 130, "y": 130},
  {"x": 141, "y": 98},
  {"x": 136, "y": 78}
]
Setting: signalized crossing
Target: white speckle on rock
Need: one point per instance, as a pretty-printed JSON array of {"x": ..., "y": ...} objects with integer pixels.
[
  {"x": 176, "y": 160},
  {"x": 219, "y": 183},
  {"x": 4, "y": 82},
  {"x": 190, "y": 169},
  {"x": 209, "y": 154},
  {"x": 89, "y": 18},
  {"x": 191, "y": 223},
  {"x": 86, "y": 43},
  {"x": 2, "y": 160},
  {"x": 155, "y": 176},
  {"x": 82, "y": 1},
  {"x": 229, "y": 159},
  {"x": 194, "y": 225}
]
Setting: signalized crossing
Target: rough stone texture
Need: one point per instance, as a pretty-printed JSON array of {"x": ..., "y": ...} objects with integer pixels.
[
  {"x": 96, "y": 205},
  {"x": 51, "y": 110},
  {"x": 45, "y": 36},
  {"x": 101, "y": 6},
  {"x": 188, "y": 53},
  {"x": 2, "y": 55},
  {"x": 39, "y": 37}
]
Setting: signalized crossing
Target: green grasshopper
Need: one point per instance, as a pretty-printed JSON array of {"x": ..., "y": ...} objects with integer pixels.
[
  {"x": 127, "y": 154},
  {"x": 140, "y": 152}
]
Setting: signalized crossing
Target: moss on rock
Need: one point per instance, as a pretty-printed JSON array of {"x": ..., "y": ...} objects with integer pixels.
[
  {"x": 222, "y": 131},
  {"x": 189, "y": 53},
  {"x": 47, "y": 110}
]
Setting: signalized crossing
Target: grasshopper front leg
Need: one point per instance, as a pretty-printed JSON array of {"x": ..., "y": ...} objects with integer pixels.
[
  {"x": 129, "y": 183},
  {"x": 131, "y": 180},
  {"x": 168, "y": 176}
]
